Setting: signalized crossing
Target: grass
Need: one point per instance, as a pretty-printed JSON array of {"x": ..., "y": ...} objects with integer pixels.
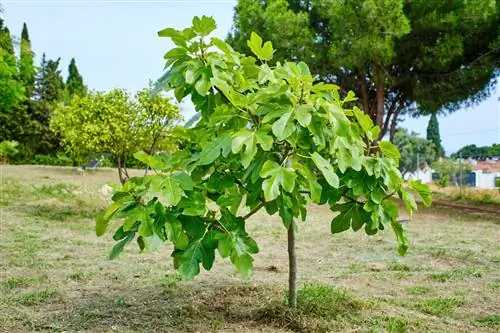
[
  {"x": 455, "y": 275},
  {"x": 56, "y": 276},
  {"x": 442, "y": 306}
]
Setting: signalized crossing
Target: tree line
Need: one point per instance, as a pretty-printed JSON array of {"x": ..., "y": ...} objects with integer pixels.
[
  {"x": 45, "y": 119},
  {"x": 29, "y": 95}
]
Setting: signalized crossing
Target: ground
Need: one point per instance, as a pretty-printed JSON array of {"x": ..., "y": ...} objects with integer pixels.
[{"x": 55, "y": 275}]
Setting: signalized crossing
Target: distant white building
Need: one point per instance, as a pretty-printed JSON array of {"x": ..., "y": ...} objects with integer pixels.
[{"x": 487, "y": 174}]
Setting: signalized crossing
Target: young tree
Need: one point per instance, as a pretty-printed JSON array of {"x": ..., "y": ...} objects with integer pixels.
[
  {"x": 434, "y": 136},
  {"x": 74, "y": 82},
  {"x": 113, "y": 123},
  {"x": 400, "y": 57},
  {"x": 26, "y": 66},
  {"x": 415, "y": 151},
  {"x": 268, "y": 138}
]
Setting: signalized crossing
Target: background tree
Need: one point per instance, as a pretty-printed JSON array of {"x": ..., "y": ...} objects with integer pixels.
[
  {"x": 49, "y": 89},
  {"x": 434, "y": 136},
  {"x": 268, "y": 138},
  {"x": 400, "y": 57},
  {"x": 74, "y": 82},
  {"x": 26, "y": 66},
  {"x": 449, "y": 171},
  {"x": 478, "y": 153},
  {"x": 115, "y": 124},
  {"x": 415, "y": 151}
]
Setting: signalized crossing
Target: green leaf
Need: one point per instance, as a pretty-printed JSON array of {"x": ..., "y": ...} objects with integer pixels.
[
  {"x": 175, "y": 232},
  {"x": 189, "y": 261},
  {"x": 202, "y": 86},
  {"x": 351, "y": 214},
  {"x": 221, "y": 45},
  {"x": 103, "y": 219},
  {"x": 279, "y": 177},
  {"x": 204, "y": 26},
  {"x": 152, "y": 243},
  {"x": 364, "y": 120},
  {"x": 423, "y": 191},
  {"x": 167, "y": 189},
  {"x": 244, "y": 138},
  {"x": 175, "y": 53},
  {"x": 326, "y": 169},
  {"x": 262, "y": 52},
  {"x": 213, "y": 149},
  {"x": 118, "y": 248},
  {"x": 265, "y": 140},
  {"x": 243, "y": 264},
  {"x": 303, "y": 114},
  {"x": 283, "y": 127},
  {"x": 151, "y": 161},
  {"x": 389, "y": 150},
  {"x": 401, "y": 237},
  {"x": 409, "y": 201}
]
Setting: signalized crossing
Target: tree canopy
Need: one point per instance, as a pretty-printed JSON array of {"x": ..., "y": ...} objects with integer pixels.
[
  {"x": 74, "y": 82},
  {"x": 480, "y": 153},
  {"x": 115, "y": 124},
  {"x": 268, "y": 137},
  {"x": 400, "y": 57},
  {"x": 415, "y": 151}
]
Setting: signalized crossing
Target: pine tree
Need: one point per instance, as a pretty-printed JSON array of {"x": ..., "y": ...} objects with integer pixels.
[
  {"x": 433, "y": 134},
  {"x": 26, "y": 67},
  {"x": 5, "y": 39},
  {"x": 74, "y": 83}
]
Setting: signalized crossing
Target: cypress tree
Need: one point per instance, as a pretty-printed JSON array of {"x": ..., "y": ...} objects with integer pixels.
[
  {"x": 26, "y": 67},
  {"x": 74, "y": 83},
  {"x": 433, "y": 134}
]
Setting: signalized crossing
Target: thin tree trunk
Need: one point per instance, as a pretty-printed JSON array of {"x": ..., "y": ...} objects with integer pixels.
[
  {"x": 393, "y": 125},
  {"x": 380, "y": 104},
  {"x": 120, "y": 170},
  {"x": 292, "y": 267}
]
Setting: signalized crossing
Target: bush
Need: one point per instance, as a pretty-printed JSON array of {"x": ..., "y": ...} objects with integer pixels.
[
  {"x": 8, "y": 150},
  {"x": 60, "y": 159}
]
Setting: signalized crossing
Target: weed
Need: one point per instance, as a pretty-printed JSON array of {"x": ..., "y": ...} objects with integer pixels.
[
  {"x": 397, "y": 325},
  {"x": 439, "y": 306},
  {"x": 418, "y": 290},
  {"x": 18, "y": 282},
  {"x": 36, "y": 297},
  {"x": 394, "y": 266},
  {"x": 77, "y": 275},
  {"x": 492, "y": 320},
  {"x": 325, "y": 301},
  {"x": 170, "y": 283},
  {"x": 57, "y": 190},
  {"x": 455, "y": 275}
]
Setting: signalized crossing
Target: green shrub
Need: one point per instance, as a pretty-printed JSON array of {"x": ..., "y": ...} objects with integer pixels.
[
  {"x": 60, "y": 159},
  {"x": 8, "y": 149}
]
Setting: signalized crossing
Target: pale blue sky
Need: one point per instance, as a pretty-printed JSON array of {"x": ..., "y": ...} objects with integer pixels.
[{"x": 116, "y": 46}]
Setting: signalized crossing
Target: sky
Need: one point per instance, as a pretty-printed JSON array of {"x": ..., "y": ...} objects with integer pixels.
[{"x": 116, "y": 46}]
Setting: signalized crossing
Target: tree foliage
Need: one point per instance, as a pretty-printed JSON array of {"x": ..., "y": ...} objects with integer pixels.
[
  {"x": 400, "y": 57},
  {"x": 116, "y": 124},
  {"x": 268, "y": 137},
  {"x": 434, "y": 136},
  {"x": 479, "y": 153},
  {"x": 415, "y": 151},
  {"x": 449, "y": 169},
  {"x": 74, "y": 82},
  {"x": 27, "y": 70}
]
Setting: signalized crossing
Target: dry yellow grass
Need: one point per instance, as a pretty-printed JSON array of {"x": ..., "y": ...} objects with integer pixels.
[{"x": 55, "y": 276}]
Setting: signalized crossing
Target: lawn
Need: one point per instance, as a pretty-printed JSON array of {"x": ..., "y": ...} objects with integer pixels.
[{"x": 55, "y": 275}]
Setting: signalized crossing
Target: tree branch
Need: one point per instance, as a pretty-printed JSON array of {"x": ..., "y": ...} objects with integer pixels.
[{"x": 256, "y": 209}]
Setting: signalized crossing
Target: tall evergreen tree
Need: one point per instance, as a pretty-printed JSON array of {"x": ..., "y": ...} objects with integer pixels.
[
  {"x": 74, "y": 83},
  {"x": 49, "y": 88},
  {"x": 5, "y": 39},
  {"x": 433, "y": 134},
  {"x": 26, "y": 67}
]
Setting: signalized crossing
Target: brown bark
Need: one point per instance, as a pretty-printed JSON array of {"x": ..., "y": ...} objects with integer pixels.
[
  {"x": 380, "y": 104},
  {"x": 122, "y": 172},
  {"x": 292, "y": 267},
  {"x": 393, "y": 125},
  {"x": 364, "y": 93}
]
